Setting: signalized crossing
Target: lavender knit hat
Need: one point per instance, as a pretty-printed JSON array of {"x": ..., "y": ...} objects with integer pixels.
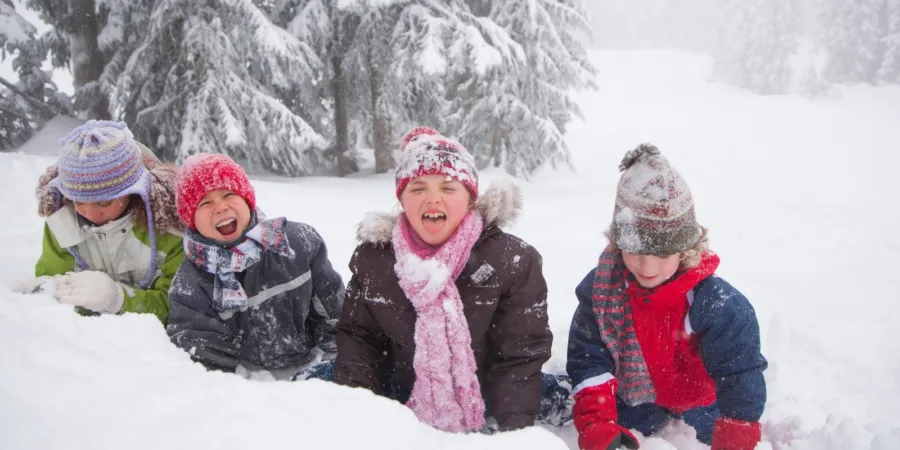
[{"x": 100, "y": 161}]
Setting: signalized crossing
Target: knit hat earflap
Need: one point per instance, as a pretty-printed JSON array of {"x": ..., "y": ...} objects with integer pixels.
[
  {"x": 100, "y": 161},
  {"x": 203, "y": 173},
  {"x": 654, "y": 211},
  {"x": 425, "y": 152}
]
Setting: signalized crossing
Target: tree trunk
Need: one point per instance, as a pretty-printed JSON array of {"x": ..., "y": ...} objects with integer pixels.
[
  {"x": 339, "y": 90},
  {"x": 87, "y": 62},
  {"x": 381, "y": 122}
]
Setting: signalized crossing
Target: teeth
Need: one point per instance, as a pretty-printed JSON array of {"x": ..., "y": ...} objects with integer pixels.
[
  {"x": 435, "y": 215},
  {"x": 227, "y": 222}
]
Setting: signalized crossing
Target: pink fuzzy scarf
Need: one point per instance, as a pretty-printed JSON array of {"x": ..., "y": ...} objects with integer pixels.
[{"x": 446, "y": 394}]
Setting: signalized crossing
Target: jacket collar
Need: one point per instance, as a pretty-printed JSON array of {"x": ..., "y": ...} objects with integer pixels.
[{"x": 69, "y": 231}]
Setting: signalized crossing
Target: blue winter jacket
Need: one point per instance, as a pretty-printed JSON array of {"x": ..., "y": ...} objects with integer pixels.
[{"x": 729, "y": 341}]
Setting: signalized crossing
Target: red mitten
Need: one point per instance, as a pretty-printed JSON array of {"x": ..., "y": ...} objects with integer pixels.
[
  {"x": 733, "y": 434},
  {"x": 595, "y": 417}
]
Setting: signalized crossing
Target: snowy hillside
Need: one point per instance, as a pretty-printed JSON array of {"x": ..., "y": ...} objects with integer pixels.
[{"x": 799, "y": 196}]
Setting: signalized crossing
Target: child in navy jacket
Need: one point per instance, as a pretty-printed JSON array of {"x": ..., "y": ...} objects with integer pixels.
[{"x": 656, "y": 333}]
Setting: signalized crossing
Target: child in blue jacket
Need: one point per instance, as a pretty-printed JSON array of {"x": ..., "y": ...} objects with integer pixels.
[{"x": 656, "y": 333}]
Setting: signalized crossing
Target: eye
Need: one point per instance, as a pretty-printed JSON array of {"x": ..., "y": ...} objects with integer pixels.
[
  {"x": 418, "y": 190},
  {"x": 450, "y": 189},
  {"x": 230, "y": 194},
  {"x": 103, "y": 204},
  {"x": 203, "y": 203}
]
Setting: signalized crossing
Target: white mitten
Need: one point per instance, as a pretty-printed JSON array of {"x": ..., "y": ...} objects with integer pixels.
[
  {"x": 90, "y": 289},
  {"x": 33, "y": 285}
]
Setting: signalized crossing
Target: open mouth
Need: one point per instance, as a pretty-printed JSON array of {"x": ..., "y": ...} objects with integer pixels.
[
  {"x": 227, "y": 227},
  {"x": 434, "y": 221}
]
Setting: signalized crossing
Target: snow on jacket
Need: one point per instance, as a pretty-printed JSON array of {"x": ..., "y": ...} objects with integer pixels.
[
  {"x": 120, "y": 248},
  {"x": 504, "y": 298},
  {"x": 721, "y": 330},
  {"x": 295, "y": 302}
]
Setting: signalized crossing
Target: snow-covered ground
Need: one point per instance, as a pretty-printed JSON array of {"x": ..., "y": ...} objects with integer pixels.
[{"x": 799, "y": 195}]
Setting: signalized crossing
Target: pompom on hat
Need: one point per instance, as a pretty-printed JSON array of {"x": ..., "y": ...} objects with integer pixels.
[
  {"x": 654, "y": 211},
  {"x": 100, "y": 161},
  {"x": 424, "y": 151},
  {"x": 203, "y": 173}
]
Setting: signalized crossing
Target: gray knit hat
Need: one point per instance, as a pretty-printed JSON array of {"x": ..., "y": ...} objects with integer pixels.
[{"x": 654, "y": 212}]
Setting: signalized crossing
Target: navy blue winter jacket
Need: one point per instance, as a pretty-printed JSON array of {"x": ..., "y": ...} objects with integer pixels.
[{"x": 729, "y": 340}]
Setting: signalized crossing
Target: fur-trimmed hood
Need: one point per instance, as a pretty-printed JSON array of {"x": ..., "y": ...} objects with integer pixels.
[
  {"x": 162, "y": 194},
  {"x": 499, "y": 206}
]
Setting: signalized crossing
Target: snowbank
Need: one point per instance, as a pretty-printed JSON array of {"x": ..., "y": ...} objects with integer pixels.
[
  {"x": 72, "y": 382},
  {"x": 46, "y": 141}
]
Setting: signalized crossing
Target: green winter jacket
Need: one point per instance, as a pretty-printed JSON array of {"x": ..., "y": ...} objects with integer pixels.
[
  {"x": 56, "y": 260},
  {"x": 119, "y": 248}
]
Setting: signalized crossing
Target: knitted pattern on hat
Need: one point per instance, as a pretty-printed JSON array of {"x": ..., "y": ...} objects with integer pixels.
[
  {"x": 206, "y": 172},
  {"x": 100, "y": 161},
  {"x": 426, "y": 152},
  {"x": 654, "y": 211}
]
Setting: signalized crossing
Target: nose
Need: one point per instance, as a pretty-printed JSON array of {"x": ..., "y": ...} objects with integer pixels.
[
  {"x": 647, "y": 266},
  {"x": 432, "y": 198},
  {"x": 219, "y": 207}
]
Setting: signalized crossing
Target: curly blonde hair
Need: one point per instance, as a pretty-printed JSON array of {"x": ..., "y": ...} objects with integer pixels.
[{"x": 689, "y": 258}]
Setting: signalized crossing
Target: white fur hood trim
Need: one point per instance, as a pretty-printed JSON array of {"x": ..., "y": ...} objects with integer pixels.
[{"x": 499, "y": 205}]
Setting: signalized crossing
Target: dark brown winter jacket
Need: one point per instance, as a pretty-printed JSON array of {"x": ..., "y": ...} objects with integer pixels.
[{"x": 504, "y": 296}]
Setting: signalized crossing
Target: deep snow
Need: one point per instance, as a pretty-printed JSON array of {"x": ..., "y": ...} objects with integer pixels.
[{"x": 799, "y": 196}]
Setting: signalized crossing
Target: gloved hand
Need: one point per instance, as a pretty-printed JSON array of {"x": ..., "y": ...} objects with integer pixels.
[
  {"x": 31, "y": 286},
  {"x": 733, "y": 434},
  {"x": 595, "y": 417},
  {"x": 91, "y": 290}
]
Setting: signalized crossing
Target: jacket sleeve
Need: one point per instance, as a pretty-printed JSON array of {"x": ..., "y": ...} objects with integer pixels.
[
  {"x": 195, "y": 327},
  {"x": 362, "y": 347},
  {"x": 54, "y": 260},
  {"x": 519, "y": 344},
  {"x": 328, "y": 295},
  {"x": 589, "y": 362},
  {"x": 155, "y": 299},
  {"x": 730, "y": 348}
]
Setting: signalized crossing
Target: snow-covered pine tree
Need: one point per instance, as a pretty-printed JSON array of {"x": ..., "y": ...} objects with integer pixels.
[
  {"x": 205, "y": 79},
  {"x": 515, "y": 117},
  {"x": 74, "y": 42},
  {"x": 772, "y": 42},
  {"x": 395, "y": 67},
  {"x": 890, "y": 65},
  {"x": 436, "y": 45},
  {"x": 755, "y": 43},
  {"x": 330, "y": 29},
  {"x": 851, "y": 34},
  {"x": 33, "y": 99}
]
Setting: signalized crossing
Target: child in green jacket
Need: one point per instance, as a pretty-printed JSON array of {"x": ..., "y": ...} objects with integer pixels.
[{"x": 112, "y": 239}]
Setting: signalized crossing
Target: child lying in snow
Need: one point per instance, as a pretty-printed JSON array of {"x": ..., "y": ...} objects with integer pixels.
[
  {"x": 443, "y": 306},
  {"x": 111, "y": 240},
  {"x": 656, "y": 333},
  {"x": 254, "y": 294}
]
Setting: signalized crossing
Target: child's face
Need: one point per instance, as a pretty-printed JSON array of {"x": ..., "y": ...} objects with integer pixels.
[
  {"x": 101, "y": 213},
  {"x": 651, "y": 271},
  {"x": 435, "y": 205},
  {"x": 222, "y": 216}
]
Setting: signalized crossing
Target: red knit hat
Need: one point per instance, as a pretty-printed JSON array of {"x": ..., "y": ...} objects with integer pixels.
[
  {"x": 206, "y": 172},
  {"x": 425, "y": 152}
]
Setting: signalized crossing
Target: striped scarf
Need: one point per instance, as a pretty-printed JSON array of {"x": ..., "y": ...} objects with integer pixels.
[
  {"x": 228, "y": 294},
  {"x": 616, "y": 325}
]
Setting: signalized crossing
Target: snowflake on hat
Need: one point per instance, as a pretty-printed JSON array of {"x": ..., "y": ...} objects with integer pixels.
[
  {"x": 424, "y": 151},
  {"x": 206, "y": 172}
]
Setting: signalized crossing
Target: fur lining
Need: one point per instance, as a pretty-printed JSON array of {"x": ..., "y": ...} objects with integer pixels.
[
  {"x": 162, "y": 195},
  {"x": 499, "y": 206}
]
